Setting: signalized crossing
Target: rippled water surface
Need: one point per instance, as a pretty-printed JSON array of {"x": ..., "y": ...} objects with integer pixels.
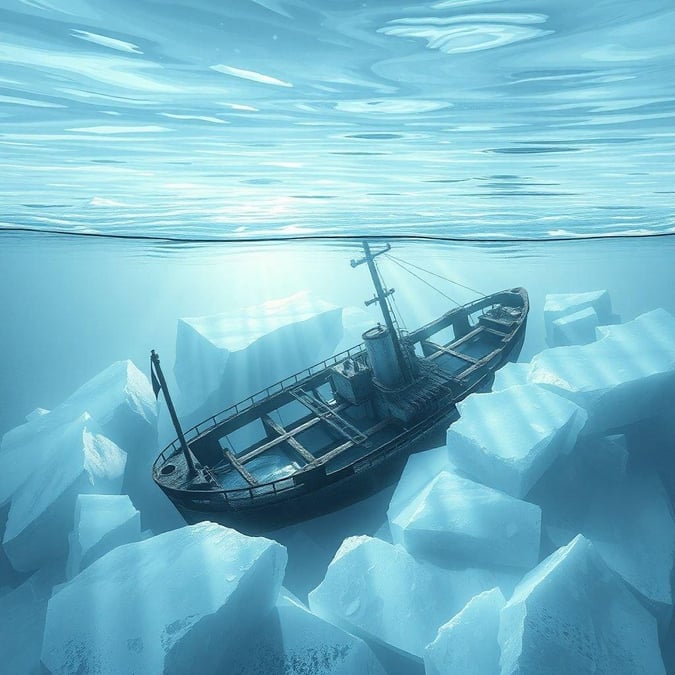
[{"x": 246, "y": 118}]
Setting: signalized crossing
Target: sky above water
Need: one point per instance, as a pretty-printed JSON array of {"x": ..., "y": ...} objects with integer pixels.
[{"x": 250, "y": 118}]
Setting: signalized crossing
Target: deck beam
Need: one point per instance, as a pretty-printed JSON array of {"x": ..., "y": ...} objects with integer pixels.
[
  {"x": 289, "y": 433},
  {"x": 279, "y": 430},
  {"x": 331, "y": 454},
  {"x": 247, "y": 476},
  {"x": 479, "y": 364},
  {"x": 439, "y": 350}
]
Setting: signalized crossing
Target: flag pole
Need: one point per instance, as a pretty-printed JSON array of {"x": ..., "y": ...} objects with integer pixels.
[{"x": 159, "y": 383}]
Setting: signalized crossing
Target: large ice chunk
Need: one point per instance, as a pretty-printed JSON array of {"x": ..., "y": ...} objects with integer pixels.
[
  {"x": 420, "y": 469},
  {"x": 566, "y": 491},
  {"x": 626, "y": 376},
  {"x": 76, "y": 460},
  {"x": 572, "y": 614},
  {"x": 181, "y": 601},
  {"x": 119, "y": 398},
  {"x": 102, "y": 523},
  {"x": 121, "y": 402},
  {"x": 294, "y": 641},
  {"x": 22, "y": 621},
  {"x": 511, "y": 375},
  {"x": 558, "y": 305},
  {"x": 467, "y": 644},
  {"x": 379, "y": 591},
  {"x": 507, "y": 439},
  {"x": 456, "y": 521},
  {"x": 631, "y": 525},
  {"x": 652, "y": 443},
  {"x": 577, "y": 328},
  {"x": 223, "y": 358},
  {"x": 627, "y": 515}
]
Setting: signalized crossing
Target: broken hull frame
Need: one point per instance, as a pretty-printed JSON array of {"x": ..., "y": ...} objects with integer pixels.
[{"x": 316, "y": 490}]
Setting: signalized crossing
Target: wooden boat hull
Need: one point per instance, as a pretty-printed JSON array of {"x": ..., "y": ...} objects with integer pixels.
[{"x": 321, "y": 488}]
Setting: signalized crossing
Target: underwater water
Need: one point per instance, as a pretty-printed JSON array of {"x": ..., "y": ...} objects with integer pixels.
[{"x": 167, "y": 169}]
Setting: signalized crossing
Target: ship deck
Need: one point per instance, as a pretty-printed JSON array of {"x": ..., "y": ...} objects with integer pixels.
[{"x": 300, "y": 430}]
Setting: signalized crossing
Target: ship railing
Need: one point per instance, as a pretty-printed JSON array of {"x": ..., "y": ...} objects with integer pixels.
[
  {"x": 278, "y": 387},
  {"x": 234, "y": 496}
]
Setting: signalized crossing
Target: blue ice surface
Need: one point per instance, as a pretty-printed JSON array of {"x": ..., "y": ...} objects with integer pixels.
[{"x": 248, "y": 120}]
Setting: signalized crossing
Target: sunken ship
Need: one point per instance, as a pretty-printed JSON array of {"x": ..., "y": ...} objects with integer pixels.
[{"x": 344, "y": 427}]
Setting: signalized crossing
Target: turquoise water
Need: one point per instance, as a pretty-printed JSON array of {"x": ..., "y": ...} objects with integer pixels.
[
  {"x": 256, "y": 117},
  {"x": 76, "y": 306},
  {"x": 168, "y": 160}
]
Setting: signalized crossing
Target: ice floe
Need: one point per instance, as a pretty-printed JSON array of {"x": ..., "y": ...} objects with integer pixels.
[
  {"x": 507, "y": 439},
  {"x": 455, "y": 521},
  {"x": 73, "y": 459},
  {"x": 178, "y": 601},
  {"x": 379, "y": 591},
  {"x": 577, "y": 328},
  {"x": 558, "y": 306},
  {"x": 572, "y": 614},
  {"x": 222, "y": 358},
  {"x": 102, "y": 523},
  {"x": 626, "y": 376},
  {"x": 467, "y": 644},
  {"x": 293, "y": 641}
]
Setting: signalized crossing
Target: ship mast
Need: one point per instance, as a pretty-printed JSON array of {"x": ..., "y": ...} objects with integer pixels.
[
  {"x": 159, "y": 384},
  {"x": 381, "y": 295}
]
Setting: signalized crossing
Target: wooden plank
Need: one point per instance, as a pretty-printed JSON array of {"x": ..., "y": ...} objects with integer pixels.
[
  {"x": 440, "y": 349},
  {"x": 465, "y": 373},
  {"x": 329, "y": 415},
  {"x": 279, "y": 439},
  {"x": 497, "y": 333},
  {"x": 287, "y": 434},
  {"x": 242, "y": 470},
  {"x": 293, "y": 442},
  {"x": 476, "y": 331},
  {"x": 319, "y": 461}
]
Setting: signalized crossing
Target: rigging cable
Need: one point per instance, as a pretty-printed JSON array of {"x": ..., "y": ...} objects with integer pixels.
[
  {"x": 424, "y": 281},
  {"x": 440, "y": 276}
]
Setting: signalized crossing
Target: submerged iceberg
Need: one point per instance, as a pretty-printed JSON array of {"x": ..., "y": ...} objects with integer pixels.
[
  {"x": 457, "y": 521},
  {"x": 102, "y": 523},
  {"x": 121, "y": 402},
  {"x": 511, "y": 375},
  {"x": 572, "y": 614},
  {"x": 70, "y": 460},
  {"x": 467, "y": 644},
  {"x": 22, "y": 622},
  {"x": 560, "y": 305},
  {"x": 626, "y": 376},
  {"x": 420, "y": 468},
  {"x": 379, "y": 591},
  {"x": 575, "y": 329},
  {"x": 223, "y": 358},
  {"x": 627, "y": 515},
  {"x": 119, "y": 398},
  {"x": 165, "y": 604},
  {"x": 507, "y": 439},
  {"x": 631, "y": 525},
  {"x": 293, "y": 641}
]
